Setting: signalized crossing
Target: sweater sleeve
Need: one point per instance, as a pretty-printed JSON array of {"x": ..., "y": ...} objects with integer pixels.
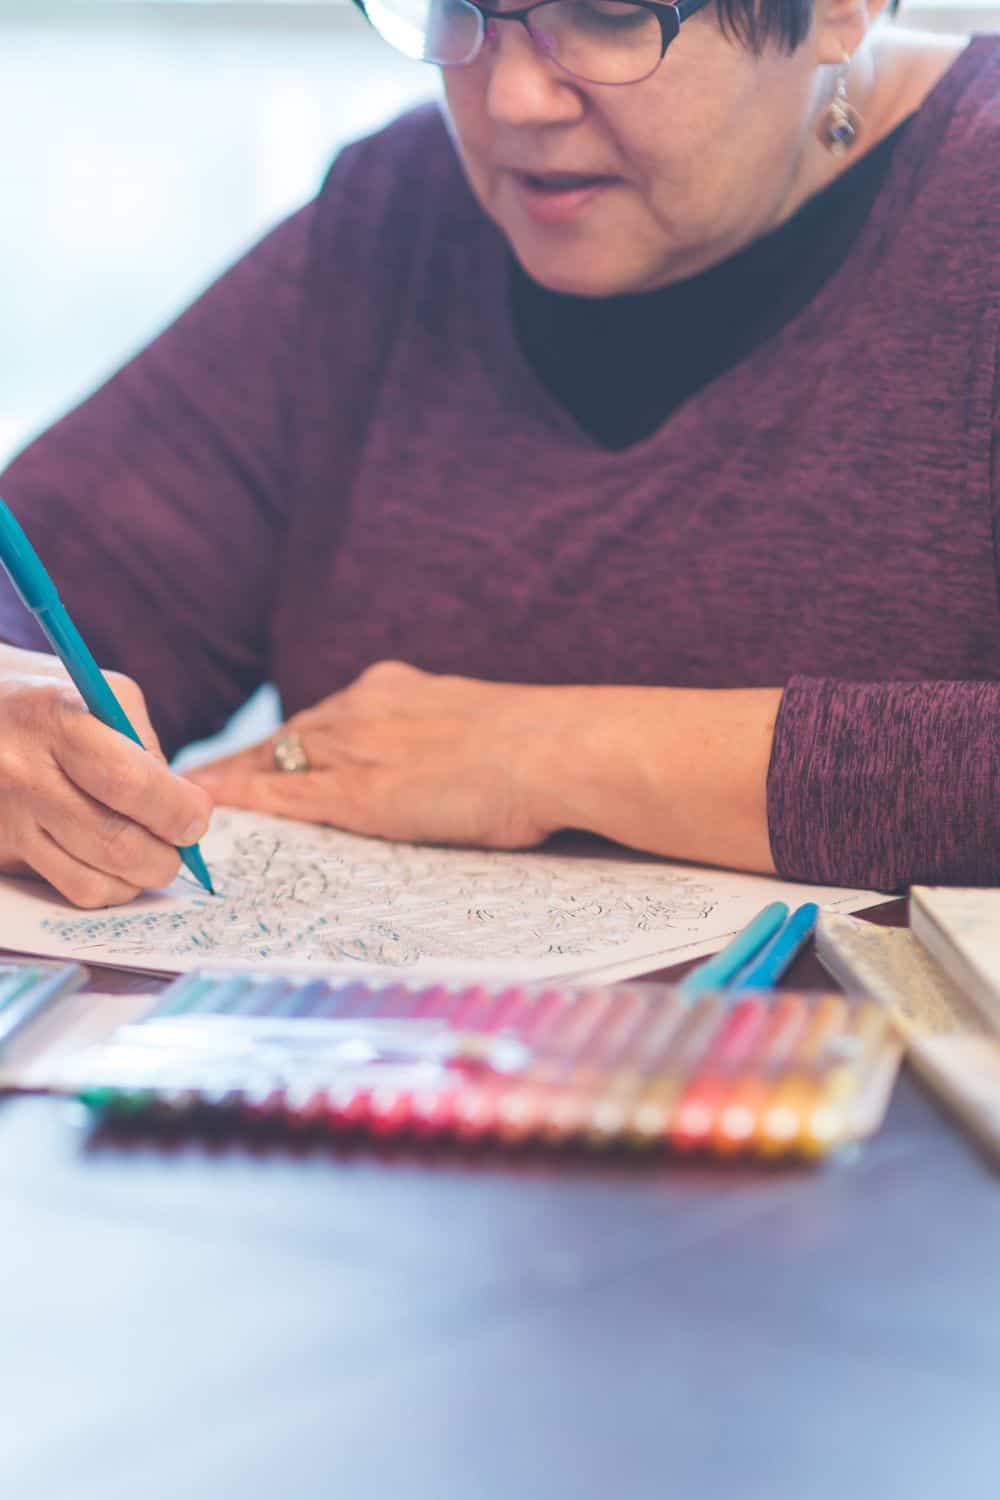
[
  {"x": 888, "y": 784},
  {"x": 158, "y": 504}
]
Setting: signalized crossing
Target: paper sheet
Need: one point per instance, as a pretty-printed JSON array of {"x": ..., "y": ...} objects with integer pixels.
[{"x": 295, "y": 896}]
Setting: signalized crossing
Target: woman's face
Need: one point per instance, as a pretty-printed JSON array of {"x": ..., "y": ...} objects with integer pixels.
[{"x": 621, "y": 189}]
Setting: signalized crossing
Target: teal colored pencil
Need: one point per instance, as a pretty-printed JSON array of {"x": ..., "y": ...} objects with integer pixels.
[
  {"x": 716, "y": 972},
  {"x": 763, "y": 971},
  {"x": 38, "y": 594}
]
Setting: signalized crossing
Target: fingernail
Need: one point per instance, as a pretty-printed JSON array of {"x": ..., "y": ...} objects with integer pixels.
[{"x": 193, "y": 832}]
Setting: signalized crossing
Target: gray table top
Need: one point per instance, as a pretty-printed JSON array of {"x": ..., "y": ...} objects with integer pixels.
[{"x": 236, "y": 1321}]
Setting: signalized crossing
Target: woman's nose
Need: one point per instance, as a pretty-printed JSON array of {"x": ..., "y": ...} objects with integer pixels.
[{"x": 525, "y": 87}]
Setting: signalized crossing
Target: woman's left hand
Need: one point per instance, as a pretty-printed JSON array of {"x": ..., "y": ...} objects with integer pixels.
[
  {"x": 403, "y": 754},
  {"x": 406, "y": 755}
]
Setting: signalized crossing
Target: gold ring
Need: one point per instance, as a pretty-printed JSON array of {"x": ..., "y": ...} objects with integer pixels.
[{"x": 289, "y": 752}]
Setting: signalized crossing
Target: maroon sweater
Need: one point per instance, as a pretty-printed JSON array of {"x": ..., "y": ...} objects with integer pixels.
[{"x": 340, "y": 454}]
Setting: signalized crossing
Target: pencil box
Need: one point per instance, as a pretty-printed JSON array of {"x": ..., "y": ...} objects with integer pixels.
[
  {"x": 28, "y": 987},
  {"x": 639, "y": 1065}
]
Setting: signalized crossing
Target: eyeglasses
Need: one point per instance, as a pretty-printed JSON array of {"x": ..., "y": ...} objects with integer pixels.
[{"x": 596, "y": 41}]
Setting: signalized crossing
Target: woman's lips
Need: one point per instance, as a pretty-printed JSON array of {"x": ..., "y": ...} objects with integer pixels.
[{"x": 556, "y": 197}]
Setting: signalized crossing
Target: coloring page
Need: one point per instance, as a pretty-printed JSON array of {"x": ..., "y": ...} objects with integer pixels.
[{"x": 297, "y": 896}]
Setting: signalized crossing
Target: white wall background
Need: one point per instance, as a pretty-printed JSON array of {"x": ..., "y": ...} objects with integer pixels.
[
  {"x": 142, "y": 146},
  {"x": 144, "y": 143}
]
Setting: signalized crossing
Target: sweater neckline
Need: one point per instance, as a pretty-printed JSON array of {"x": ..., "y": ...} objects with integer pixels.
[
  {"x": 926, "y": 132},
  {"x": 622, "y": 365}
]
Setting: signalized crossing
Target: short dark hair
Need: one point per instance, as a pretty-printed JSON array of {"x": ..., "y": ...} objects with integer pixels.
[{"x": 757, "y": 22}]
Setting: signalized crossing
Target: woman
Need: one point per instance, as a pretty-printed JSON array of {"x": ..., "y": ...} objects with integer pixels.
[{"x": 620, "y": 453}]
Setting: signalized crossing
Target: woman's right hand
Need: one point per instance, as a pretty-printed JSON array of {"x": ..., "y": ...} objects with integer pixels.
[{"x": 80, "y": 804}]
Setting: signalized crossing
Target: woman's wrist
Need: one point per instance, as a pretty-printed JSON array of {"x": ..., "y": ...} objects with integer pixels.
[{"x": 678, "y": 771}]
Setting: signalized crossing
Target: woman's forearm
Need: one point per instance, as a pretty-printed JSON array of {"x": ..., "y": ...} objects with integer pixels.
[{"x": 679, "y": 772}]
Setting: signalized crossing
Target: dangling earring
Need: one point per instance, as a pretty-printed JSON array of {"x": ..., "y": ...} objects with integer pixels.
[{"x": 840, "y": 125}]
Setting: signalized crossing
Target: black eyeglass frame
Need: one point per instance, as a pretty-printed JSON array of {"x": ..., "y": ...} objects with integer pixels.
[{"x": 669, "y": 15}]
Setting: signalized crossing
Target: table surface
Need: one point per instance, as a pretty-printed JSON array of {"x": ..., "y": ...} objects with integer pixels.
[{"x": 228, "y": 1321}]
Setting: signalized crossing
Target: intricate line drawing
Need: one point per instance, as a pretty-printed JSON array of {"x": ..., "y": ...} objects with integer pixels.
[{"x": 314, "y": 894}]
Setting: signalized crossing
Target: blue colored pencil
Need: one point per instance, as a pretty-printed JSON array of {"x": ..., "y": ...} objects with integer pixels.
[
  {"x": 763, "y": 972},
  {"x": 716, "y": 972}
]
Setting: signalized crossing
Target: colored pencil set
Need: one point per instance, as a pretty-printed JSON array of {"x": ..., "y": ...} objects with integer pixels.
[{"x": 642, "y": 1065}]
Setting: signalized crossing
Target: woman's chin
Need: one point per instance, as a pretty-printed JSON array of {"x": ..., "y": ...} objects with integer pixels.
[{"x": 584, "y": 277}]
